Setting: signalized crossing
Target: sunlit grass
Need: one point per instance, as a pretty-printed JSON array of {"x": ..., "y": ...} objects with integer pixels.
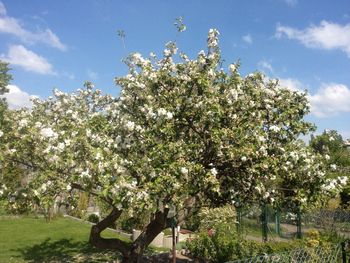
[{"x": 27, "y": 239}]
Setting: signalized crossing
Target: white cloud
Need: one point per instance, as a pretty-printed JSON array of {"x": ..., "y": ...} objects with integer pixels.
[
  {"x": 18, "y": 55},
  {"x": 264, "y": 65},
  {"x": 291, "y": 2},
  {"x": 17, "y": 98},
  {"x": 330, "y": 99},
  {"x": 248, "y": 39},
  {"x": 68, "y": 75},
  {"x": 11, "y": 25},
  {"x": 92, "y": 74},
  {"x": 292, "y": 84},
  {"x": 327, "y": 35}
]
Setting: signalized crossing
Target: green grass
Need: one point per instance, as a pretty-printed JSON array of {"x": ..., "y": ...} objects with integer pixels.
[
  {"x": 27, "y": 239},
  {"x": 251, "y": 227}
]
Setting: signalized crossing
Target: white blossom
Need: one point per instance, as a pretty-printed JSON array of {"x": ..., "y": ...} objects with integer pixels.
[
  {"x": 333, "y": 167},
  {"x": 130, "y": 125},
  {"x": 47, "y": 133},
  {"x": 184, "y": 170},
  {"x": 274, "y": 128},
  {"x": 61, "y": 146},
  {"x": 161, "y": 112},
  {"x": 169, "y": 115},
  {"x": 232, "y": 68},
  {"x": 22, "y": 123},
  {"x": 213, "y": 171}
]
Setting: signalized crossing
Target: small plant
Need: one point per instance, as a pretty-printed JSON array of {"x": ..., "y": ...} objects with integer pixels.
[{"x": 93, "y": 218}]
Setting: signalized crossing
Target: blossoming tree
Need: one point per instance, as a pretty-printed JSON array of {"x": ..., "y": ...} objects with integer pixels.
[{"x": 181, "y": 135}]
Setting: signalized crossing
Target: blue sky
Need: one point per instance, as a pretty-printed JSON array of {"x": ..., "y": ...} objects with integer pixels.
[{"x": 60, "y": 44}]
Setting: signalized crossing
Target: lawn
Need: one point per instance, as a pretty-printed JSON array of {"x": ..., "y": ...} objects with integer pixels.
[{"x": 27, "y": 239}]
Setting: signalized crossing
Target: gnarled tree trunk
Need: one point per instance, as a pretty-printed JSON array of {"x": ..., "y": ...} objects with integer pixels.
[
  {"x": 108, "y": 243},
  {"x": 157, "y": 224},
  {"x": 131, "y": 253}
]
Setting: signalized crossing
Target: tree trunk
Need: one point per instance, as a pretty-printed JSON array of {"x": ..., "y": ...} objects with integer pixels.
[
  {"x": 156, "y": 226},
  {"x": 108, "y": 243}
]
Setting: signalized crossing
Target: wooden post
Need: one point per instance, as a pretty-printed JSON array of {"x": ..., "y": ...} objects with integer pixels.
[{"x": 174, "y": 242}]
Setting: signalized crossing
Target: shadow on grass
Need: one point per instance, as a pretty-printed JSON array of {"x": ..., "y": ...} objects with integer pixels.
[{"x": 65, "y": 250}]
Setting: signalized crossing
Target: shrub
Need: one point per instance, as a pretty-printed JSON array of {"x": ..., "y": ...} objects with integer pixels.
[
  {"x": 93, "y": 218},
  {"x": 210, "y": 217},
  {"x": 224, "y": 244},
  {"x": 221, "y": 246},
  {"x": 82, "y": 205}
]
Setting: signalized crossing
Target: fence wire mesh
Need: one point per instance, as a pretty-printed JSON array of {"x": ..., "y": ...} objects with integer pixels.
[
  {"x": 282, "y": 224},
  {"x": 336, "y": 220},
  {"x": 309, "y": 255}
]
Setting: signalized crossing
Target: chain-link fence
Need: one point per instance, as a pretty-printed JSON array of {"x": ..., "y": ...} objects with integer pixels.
[
  {"x": 330, "y": 220},
  {"x": 263, "y": 222},
  {"x": 310, "y": 255}
]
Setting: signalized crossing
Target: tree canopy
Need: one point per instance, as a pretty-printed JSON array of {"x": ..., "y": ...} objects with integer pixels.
[{"x": 181, "y": 134}]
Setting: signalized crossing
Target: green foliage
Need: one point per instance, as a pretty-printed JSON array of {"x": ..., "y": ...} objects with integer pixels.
[
  {"x": 345, "y": 197},
  {"x": 183, "y": 133},
  {"x": 136, "y": 221},
  {"x": 5, "y": 77},
  {"x": 211, "y": 217},
  {"x": 193, "y": 222},
  {"x": 93, "y": 218},
  {"x": 14, "y": 176},
  {"x": 330, "y": 143},
  {"x": 82, "y": 205},
  {"x": 225, "y": 245}
]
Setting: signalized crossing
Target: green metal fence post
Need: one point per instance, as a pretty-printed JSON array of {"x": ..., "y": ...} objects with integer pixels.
[
  {"x": 277, "y": 222},
  {"x": 298, "y": 222},
  {"x": 264, "y": 220},
  {"x": 343, "y": 252}
]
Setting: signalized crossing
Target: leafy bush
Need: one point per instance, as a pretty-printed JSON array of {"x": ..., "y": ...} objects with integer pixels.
[
  {"x": 210, "y": 217},
  {"x": 93, "y": 218},
  {"x": 82, "y": 205},
  {"x": 224, "y": 244},
  {"x": 136, "y": 221},
  {"x": 193, "y": 222}
]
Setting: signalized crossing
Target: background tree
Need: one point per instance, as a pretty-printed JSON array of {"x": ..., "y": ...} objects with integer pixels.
[
  {"x": 331, "y": 144},
  {"x": 181, "y": 135},
  {"x": 5, "y": 79}
]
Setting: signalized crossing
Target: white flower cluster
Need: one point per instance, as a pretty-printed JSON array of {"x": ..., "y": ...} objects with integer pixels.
[
  {"x": 162, "y": 113},
  {"x": 335, "y": 185},
  {"x": 213, "y": 38},
  {"x": 48, "y": 133},
  {"x": 274, "y": 128}
]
